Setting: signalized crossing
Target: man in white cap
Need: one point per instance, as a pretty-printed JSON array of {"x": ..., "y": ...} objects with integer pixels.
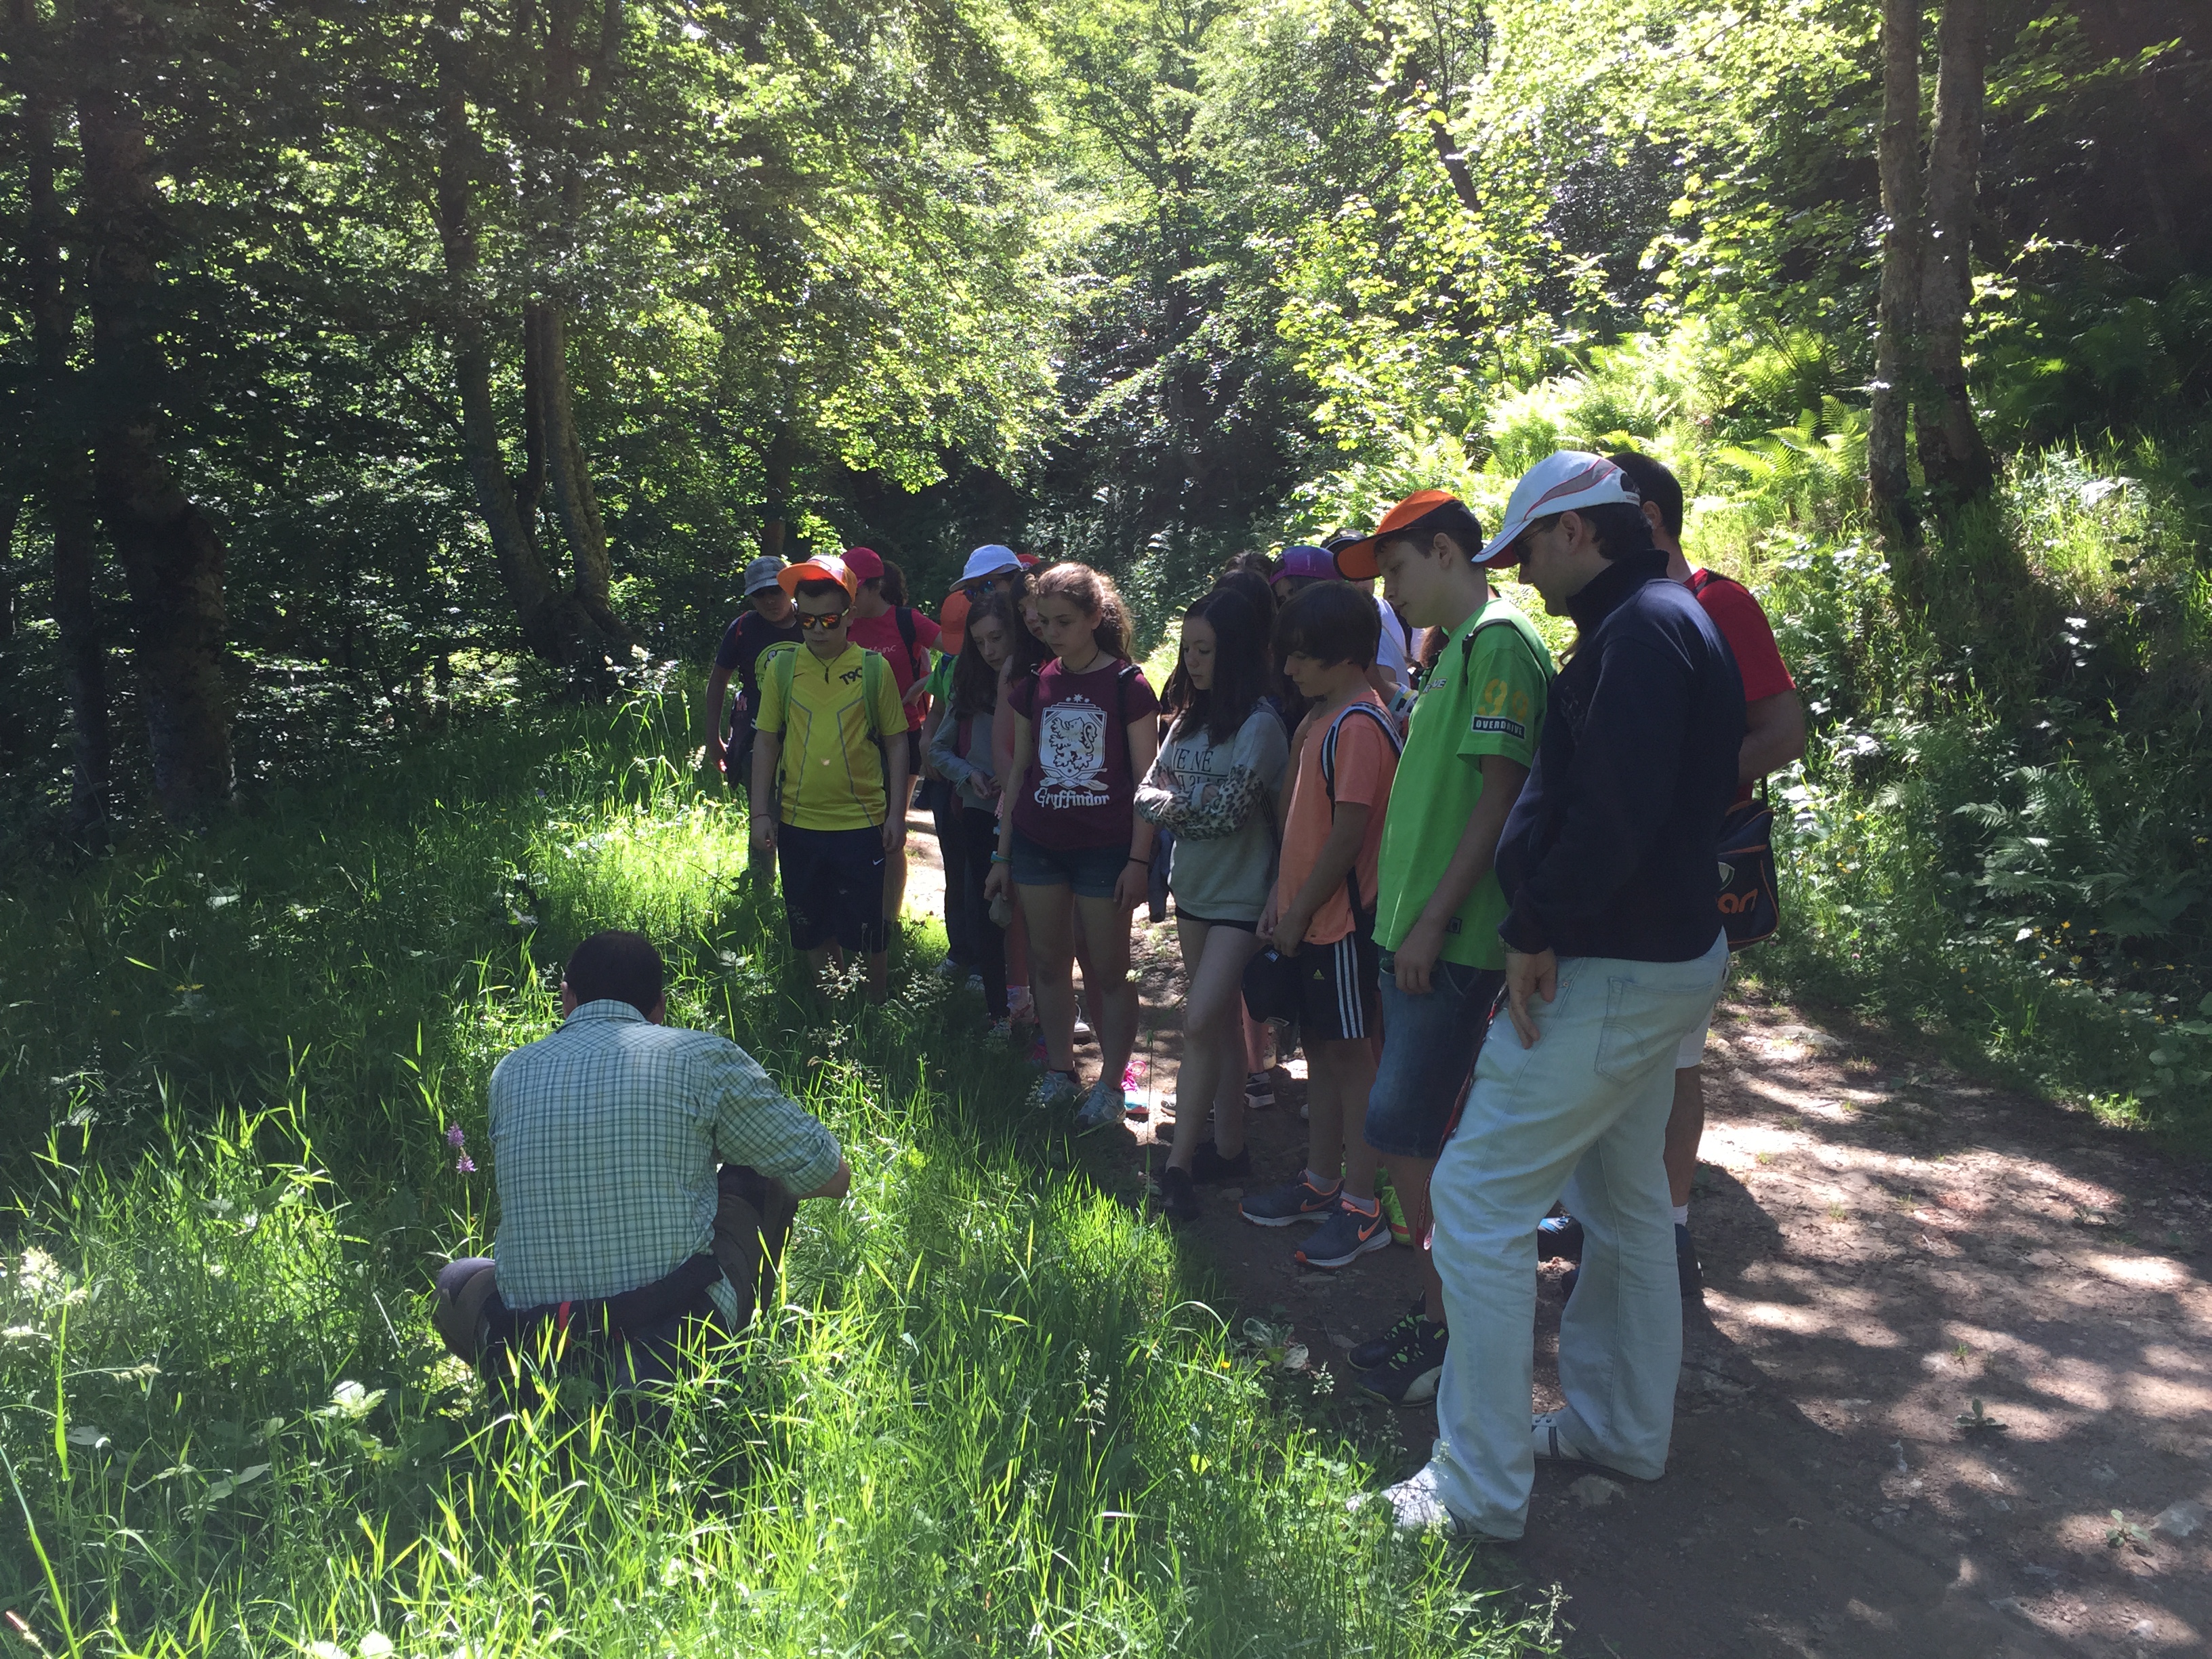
[
  {"x": 1614, "y": 952},
  {"x": 767, "y": 618}
]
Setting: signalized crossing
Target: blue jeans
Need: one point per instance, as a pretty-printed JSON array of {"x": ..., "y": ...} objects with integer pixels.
[
  {"x": 1428, "y": 1045},
  {"x": 1582, "y": 1114}
]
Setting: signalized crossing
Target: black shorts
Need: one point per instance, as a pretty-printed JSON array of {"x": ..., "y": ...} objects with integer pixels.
[
  {"x": 1182, "y": 915},
  {"x": 833, "y": 886},
  {"x": 1337, "y": 997}
]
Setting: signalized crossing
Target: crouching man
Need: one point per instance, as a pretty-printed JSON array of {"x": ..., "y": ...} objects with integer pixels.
[{"x": 647, "y": 1179}]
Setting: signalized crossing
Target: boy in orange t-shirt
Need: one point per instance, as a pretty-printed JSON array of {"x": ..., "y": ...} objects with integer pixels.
[{"x": 1322, "y": 916}]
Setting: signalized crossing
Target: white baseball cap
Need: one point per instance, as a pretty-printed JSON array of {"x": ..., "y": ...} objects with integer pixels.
[
  {"x": 989, "y": 560},
  {"x": 1563, "y": 483}
]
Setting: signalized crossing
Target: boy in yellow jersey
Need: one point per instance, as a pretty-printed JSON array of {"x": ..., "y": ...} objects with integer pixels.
[{"x": 825, "y": 779}]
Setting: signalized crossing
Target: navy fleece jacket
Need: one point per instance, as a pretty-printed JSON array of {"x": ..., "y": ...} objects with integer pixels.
[{"x": 1611, "y": 849}]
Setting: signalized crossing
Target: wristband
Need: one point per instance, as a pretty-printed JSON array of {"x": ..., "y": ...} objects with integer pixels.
[
  {"x": 1000, "y": 858},
  {"x": 1134, "y": 859}
]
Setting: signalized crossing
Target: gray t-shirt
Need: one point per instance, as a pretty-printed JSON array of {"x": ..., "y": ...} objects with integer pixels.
[
  {"x": 965, "y": 756},
  {"x": 1227, "y": 877}
]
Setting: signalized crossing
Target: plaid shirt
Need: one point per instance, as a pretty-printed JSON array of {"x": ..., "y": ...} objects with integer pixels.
[{"x": 605, "y": 1136}]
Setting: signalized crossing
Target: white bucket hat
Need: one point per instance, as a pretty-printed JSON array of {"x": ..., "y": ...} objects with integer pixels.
[{"x": 1563, "y": 483}]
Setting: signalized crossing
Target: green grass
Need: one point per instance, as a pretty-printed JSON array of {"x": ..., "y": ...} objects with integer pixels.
[{"x": 997, "y": 1413}]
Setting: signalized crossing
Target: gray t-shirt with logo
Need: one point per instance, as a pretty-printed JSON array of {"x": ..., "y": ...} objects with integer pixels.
[{"x": 1224, "y": 866}]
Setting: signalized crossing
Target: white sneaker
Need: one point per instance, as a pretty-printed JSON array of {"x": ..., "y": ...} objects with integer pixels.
[
  {"x": 1417, "y": 1504},
  {"x": 1550, "y": 1442},
  {"x": 1082, "y": 1030}
]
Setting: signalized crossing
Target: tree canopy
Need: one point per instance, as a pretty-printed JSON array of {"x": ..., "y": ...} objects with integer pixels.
[{"x": 351, "y": 352}]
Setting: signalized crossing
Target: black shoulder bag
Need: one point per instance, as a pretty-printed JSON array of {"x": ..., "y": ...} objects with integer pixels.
[{"x": 1750, "y": 903}]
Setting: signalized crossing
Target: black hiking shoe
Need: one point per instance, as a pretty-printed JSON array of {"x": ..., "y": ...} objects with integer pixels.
[
  {"x": 1178, "y": 1199},
  {"x": 1210, "y": 1168},
  {"x": 1376, "y": 1350},
  {"x": 1409, "y": 1376}
]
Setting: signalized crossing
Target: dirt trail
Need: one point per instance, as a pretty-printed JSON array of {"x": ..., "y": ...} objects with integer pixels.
[{"x": 1883, "y": 1242}]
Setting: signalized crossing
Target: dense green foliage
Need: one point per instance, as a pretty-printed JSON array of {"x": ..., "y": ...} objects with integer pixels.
[
  {"x": 994, "y": 1408},
  {"x": 486, "y": 343}
]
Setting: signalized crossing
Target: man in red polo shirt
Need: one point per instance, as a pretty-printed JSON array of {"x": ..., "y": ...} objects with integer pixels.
[{"x": 1774, "y": 737}]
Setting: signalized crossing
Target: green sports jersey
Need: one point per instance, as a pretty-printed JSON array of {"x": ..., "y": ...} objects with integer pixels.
[
  {"x": 1485, "y": 696},
  {"x": 940, "y": 684}
]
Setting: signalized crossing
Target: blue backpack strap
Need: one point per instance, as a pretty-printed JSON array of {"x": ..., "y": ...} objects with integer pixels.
[
  {"x": 1360, "y": 908},
  {"x": 1329, "y": 739}
]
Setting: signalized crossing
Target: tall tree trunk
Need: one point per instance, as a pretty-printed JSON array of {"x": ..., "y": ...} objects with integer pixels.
[
  {"x": 1889, "y": 482},
  {"x": 1953, "y": 459},
  {"x": 84, "y": 653},
  {"x": 776, "y": 464},
  {"x": 575, "y": 91},
  {"x": 551, "y": 624},
  {"x": 15, "y": 729},
  {"x": 169, "y": 548},
  {"x": 573, "y": 496},
  {"x": 11, "y": 510},
  {"x": 60, "y": 456}
]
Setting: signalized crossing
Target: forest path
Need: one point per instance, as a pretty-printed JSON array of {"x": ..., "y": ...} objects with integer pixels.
[{"x": 1883, "y": 1242}]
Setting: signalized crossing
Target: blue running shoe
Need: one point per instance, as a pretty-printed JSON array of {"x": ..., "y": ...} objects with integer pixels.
[
  {"x": 1345, "y": 1238},
  {"x": 1294, "y": 1201}
]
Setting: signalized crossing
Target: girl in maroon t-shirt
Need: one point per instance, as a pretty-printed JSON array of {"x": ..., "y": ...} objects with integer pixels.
[{"x": 1070, "y": 841}]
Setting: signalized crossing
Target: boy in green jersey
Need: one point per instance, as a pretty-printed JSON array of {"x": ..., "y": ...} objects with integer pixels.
[{"x": 1468, "y": 747}]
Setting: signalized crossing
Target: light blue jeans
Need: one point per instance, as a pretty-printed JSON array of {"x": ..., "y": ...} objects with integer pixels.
[{"x": 1582, "y": 1114}]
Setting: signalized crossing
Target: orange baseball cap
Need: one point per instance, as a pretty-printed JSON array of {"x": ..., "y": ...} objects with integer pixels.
[
  {"x": 952, "y": 622},
  {"x": 1424, "y": 511},
  {"x": 823, "y": 568}
]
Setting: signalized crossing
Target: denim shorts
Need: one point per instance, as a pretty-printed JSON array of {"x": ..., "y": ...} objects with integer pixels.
[
  {"x": 1429, "y": 1049},
  {"x": 1090, "y": 871}
]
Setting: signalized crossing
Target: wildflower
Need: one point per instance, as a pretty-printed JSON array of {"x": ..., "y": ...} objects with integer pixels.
[
  {"x": 455, "y": 1136},
  {"x": 465, "y": 1164}
]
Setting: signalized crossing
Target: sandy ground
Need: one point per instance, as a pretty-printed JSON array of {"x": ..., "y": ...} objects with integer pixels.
[{"x": 1884, "y": 1241}]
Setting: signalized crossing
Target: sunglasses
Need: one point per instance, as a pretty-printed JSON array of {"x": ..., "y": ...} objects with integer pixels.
[{"x": 821, "y": 624}]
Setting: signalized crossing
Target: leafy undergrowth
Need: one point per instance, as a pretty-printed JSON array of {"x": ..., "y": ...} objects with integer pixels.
[{"x": 995, "y": 1414}]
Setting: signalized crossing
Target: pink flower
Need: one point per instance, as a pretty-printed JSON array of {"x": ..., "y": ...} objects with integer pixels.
[
  {"x": 454, "y": 1137},
  {"x": 465, "y": 1164}
]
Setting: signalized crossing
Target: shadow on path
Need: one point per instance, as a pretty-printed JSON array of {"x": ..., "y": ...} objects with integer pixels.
[{"x": 1884, "y": 1241}]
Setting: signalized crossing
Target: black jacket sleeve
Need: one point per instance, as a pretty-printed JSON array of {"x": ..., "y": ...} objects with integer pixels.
[{"x": 1620, "y": 784}]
